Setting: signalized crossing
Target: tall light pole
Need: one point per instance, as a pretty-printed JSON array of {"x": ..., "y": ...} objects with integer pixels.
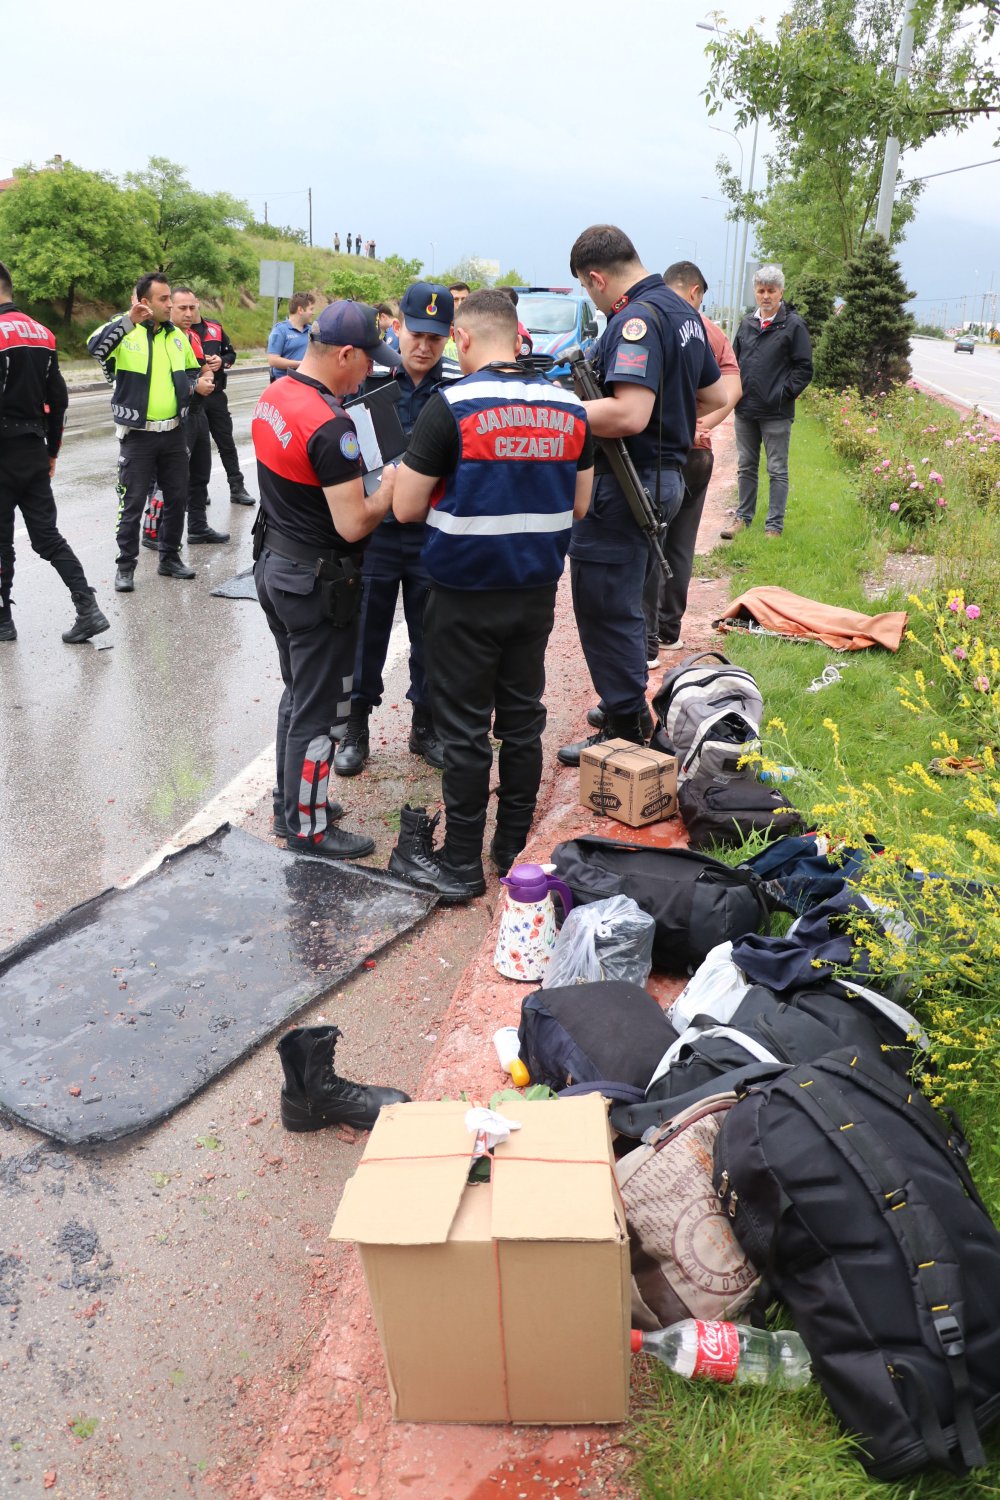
[
  {"x": 725, "y": 255},
  {"x": 746, "y": 221},
  {"x": 890, "y": 162}
]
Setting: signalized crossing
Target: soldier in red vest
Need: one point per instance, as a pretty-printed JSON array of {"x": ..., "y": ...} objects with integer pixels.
[{"x": 33, "y": 402}]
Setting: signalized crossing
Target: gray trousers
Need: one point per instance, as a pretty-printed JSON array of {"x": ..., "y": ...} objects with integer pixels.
[{"x": 775, "y": 433}]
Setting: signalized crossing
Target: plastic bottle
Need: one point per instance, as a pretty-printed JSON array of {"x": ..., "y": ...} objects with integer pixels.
[
  {"x": 729, "y": 1352},
  {"x": 508, "y": 1047},
  {"x": 777, "y": 774}
]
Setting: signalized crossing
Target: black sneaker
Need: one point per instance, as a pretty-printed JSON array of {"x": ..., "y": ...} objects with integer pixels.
[
  {"x": 336, "y": 843},
  {"x": 615, "y": 727},
  {"x": 238, "y": 496},
  {"x": 172, "y": 567},
  {"x": 124, "y": 581},
  {"x": 424, "y": 740},
  {"x": 201, "y": 538}
]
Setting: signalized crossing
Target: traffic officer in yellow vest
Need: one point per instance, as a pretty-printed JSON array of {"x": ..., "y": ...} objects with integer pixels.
[{"x": 155, "y": 371}]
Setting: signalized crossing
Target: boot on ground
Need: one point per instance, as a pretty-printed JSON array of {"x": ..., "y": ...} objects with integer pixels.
[
  {"x": 205, "y": 534},
  {"x": 354, "y": 749},
  {"x": 615, "y": 727},
  {"x": 504, "y": 850},
  {"x": 172, "y": 567},
  {"x": 596, "y": 717},
  {"x": 8, "y": 630},
  {"x": 239, "y": 495},
  {"x": 124, "y": 580},
  {"x": 732, "y": 530},
  {"x": 89, "y": 619},
  {"x": 336, "y": 843},
  {"x": 314, "y": 1096},
  {"x": 424, "y": 740},
  {"x": 415, "y": 860}
]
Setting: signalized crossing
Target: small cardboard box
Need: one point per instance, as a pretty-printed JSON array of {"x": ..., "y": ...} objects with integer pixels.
[
  {"x": 632, "y": 783},
  {"x": 502, "y": 1301}
]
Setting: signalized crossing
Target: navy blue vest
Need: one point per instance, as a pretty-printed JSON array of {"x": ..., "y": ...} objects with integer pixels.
[{"x": 502, "y": 519}]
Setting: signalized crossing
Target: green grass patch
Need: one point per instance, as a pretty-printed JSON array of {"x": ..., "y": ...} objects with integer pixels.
[{"x": 694, "y": 1440}]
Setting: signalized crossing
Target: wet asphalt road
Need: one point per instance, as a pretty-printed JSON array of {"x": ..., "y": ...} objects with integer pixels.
[
  {"x": 107, "y": 752},
  {"x": 972, "y": 379},
  {"x": 160, "y": 1297}
]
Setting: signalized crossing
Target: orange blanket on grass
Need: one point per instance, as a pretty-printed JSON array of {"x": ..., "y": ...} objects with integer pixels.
[{"x": 789, "y": 614}]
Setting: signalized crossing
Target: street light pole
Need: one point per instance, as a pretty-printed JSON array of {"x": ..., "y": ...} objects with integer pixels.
[
  {"x": 725, "y": 258},
  {"x": 890, "y": 162},
  {"x": 746, "y": 221},
  {"x": 730, "y": 320}
]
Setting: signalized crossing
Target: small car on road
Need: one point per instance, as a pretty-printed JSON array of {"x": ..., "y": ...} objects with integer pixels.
[{"x": 965, "y": 344}]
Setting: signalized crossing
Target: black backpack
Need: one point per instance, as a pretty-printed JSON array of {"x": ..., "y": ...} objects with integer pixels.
[
  {"x": 587, "y": 1033},
  {"x": 695, "y": 901},
  {"x": 853, "y": 1199},
  {"x": 725, "y": 812},
  {"x": 764, "y": 1035}
]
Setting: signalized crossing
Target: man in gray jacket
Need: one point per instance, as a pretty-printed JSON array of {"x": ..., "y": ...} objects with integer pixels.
[{"x": 774, "y": 352}]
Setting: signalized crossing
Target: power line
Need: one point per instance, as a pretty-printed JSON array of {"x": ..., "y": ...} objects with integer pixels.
[{"x": 972, "y": 165}]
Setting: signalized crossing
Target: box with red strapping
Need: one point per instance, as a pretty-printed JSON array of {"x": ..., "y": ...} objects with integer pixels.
[{"x": 501, "y": 1301}]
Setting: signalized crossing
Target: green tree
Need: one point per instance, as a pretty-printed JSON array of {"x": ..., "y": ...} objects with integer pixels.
[
  {"x": 68, "y": 233},
  {"x": 354, "y": 286},
  {"x": 812, "y": 297},
  {"x": 276, "y": 232},
  {"x": 195, "y": 233},
  {"x": 826, "y": 88},
  {"x": 867, "y": 344},
  {"x": 397, "y": 273}
]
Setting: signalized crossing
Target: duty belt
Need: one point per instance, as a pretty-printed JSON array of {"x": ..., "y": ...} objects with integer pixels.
[
  {"x": 284, "y": 546},
  {"x": 167, "y": 425}
]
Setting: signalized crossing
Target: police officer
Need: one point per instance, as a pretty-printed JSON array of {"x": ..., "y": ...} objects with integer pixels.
[
  {"x": 33, "y": 402},
  {"x": 659, "y": 373},
  {"x": 184, "y": 312},
  {"x": 311, "y": 530},
  {"x": 220, "y": 356},
  {"x": 393, "y": 559},
  {"x": 516, "y": 460},
  {"x": 155, "y": 374}
]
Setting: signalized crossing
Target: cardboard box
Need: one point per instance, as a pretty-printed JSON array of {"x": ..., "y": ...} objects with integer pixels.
[
  {"x": 632, "y": 783},
  {"x": 506, "y": 1301}
]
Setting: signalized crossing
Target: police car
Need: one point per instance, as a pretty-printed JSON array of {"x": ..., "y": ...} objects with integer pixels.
[{"x": 558, "y": 318}]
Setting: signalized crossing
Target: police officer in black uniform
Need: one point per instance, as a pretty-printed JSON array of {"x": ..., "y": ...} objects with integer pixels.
[
  {"x": 33, "y": 402},
  {"x": 313, "y": 525},
  {"x": 394, "y": 556},
  {"x": 220, "y": 356},
  {"x": 658, "y": 371}
]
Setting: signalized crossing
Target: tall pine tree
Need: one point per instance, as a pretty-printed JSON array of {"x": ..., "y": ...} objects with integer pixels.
[{"x": 867, "y": 344}]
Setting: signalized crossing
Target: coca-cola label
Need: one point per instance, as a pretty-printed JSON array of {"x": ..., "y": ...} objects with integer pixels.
[{"x": 718, "y": 1352}]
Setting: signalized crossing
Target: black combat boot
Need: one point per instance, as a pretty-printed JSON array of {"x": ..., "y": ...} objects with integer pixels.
[
  {"x": 313, "y": 1096},
  {"x": 8, "y": 630},
  {"x": 124, "y": 580},
  {"x": 239, "y": 495},
  {"x": 89, "y": 619},
  {"x": 505, "y": 849},
  {"x": 424, "y": 740},
  {"x": 416, "y": 860},
  {"x": 615, "y": 727},
  {"x": 596, "y": 717},
  {"x": 353, "y": 751},
  {"x": 171, "y": 567},
  {"x": 204, "y": 534}
]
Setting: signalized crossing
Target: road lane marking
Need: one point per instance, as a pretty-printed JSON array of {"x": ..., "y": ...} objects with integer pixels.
[{"x": 962, "y": 400}]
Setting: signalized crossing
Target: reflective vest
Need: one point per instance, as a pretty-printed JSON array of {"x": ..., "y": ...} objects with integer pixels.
[
  {"x": 149, "y": 370},
  {"x": 502, "y": 519}
]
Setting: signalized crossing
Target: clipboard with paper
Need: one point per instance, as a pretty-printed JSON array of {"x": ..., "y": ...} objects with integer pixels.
[{"x": 380, "y": 433}]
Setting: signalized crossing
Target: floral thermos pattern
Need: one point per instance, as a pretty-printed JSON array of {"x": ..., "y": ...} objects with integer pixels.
[{"x": 526, "y": 938}]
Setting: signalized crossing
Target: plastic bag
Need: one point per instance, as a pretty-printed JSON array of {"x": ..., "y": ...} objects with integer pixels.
[
  {"x": 716, "y": 989},
  {"x": 609, "y": 939}
]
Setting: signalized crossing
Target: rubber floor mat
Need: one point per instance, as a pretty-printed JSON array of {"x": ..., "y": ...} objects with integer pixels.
[
  {"x": 122, "y": 1008},
  {"x": 240, "y": 586}
]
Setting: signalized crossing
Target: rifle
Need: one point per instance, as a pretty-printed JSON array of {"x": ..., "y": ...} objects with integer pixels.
[{"x": 640, "y": 502}]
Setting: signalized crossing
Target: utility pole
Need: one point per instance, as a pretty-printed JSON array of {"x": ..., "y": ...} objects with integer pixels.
[
  {"x": 310, "y": 191},
  {"x": 890, "y": 162},
  {"x": 746, "y": 227},
  {"x": 265, "y": 210}
]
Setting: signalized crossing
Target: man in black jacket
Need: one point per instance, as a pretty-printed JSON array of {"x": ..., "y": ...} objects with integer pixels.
[
  {"x": 220, "y": 356},
  {"x": 775, "y": 357},
  {"x": 33, "y": 402}
]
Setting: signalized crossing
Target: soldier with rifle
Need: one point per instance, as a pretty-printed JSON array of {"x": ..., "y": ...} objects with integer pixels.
[{"x": 657, "y": 375}]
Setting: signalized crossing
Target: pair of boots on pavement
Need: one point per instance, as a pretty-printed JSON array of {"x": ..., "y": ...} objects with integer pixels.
[
  {"x": 314, "y": 1095},
  {"x": 90, "y": 620},
  {"x": 450, "y": 875},
  {"x": 354, "y": 749}
]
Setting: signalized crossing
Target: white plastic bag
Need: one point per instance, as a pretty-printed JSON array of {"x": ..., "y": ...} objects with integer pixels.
[
  {"x": 715, "y": 989},
  {"x": 609, "y": 939}
]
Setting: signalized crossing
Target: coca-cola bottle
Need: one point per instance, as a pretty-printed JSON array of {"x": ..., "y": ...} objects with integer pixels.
[{"x": 728, "y": 1352}]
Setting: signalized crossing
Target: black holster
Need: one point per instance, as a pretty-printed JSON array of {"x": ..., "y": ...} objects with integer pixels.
[{"x": 340, "y": 590}]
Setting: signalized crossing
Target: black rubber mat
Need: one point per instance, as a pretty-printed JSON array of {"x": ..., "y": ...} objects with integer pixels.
[
  {"x": 240, "y": 586},
  {"x": 124, "y": 1007}
]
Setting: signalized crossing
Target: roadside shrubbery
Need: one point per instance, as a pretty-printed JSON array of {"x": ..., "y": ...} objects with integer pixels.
[{"x": 937, "y": 820}]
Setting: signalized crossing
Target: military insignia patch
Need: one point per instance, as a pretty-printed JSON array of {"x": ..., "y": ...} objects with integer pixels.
[
  {"x": 634, "y": 330},
  {"x": 350, "y": 447}
]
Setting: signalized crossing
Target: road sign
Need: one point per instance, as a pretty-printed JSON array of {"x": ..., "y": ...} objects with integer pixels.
[{"x": 277, "y": 278}]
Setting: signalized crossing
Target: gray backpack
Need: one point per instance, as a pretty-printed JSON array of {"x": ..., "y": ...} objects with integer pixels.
[{"x": 709, "y": 714}]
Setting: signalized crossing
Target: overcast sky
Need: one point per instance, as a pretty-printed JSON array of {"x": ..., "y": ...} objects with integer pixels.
[{"x": 442, "y": 132}]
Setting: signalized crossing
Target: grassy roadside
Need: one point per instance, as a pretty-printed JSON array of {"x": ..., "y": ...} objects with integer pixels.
[{"x": 695, "y": 1441}]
